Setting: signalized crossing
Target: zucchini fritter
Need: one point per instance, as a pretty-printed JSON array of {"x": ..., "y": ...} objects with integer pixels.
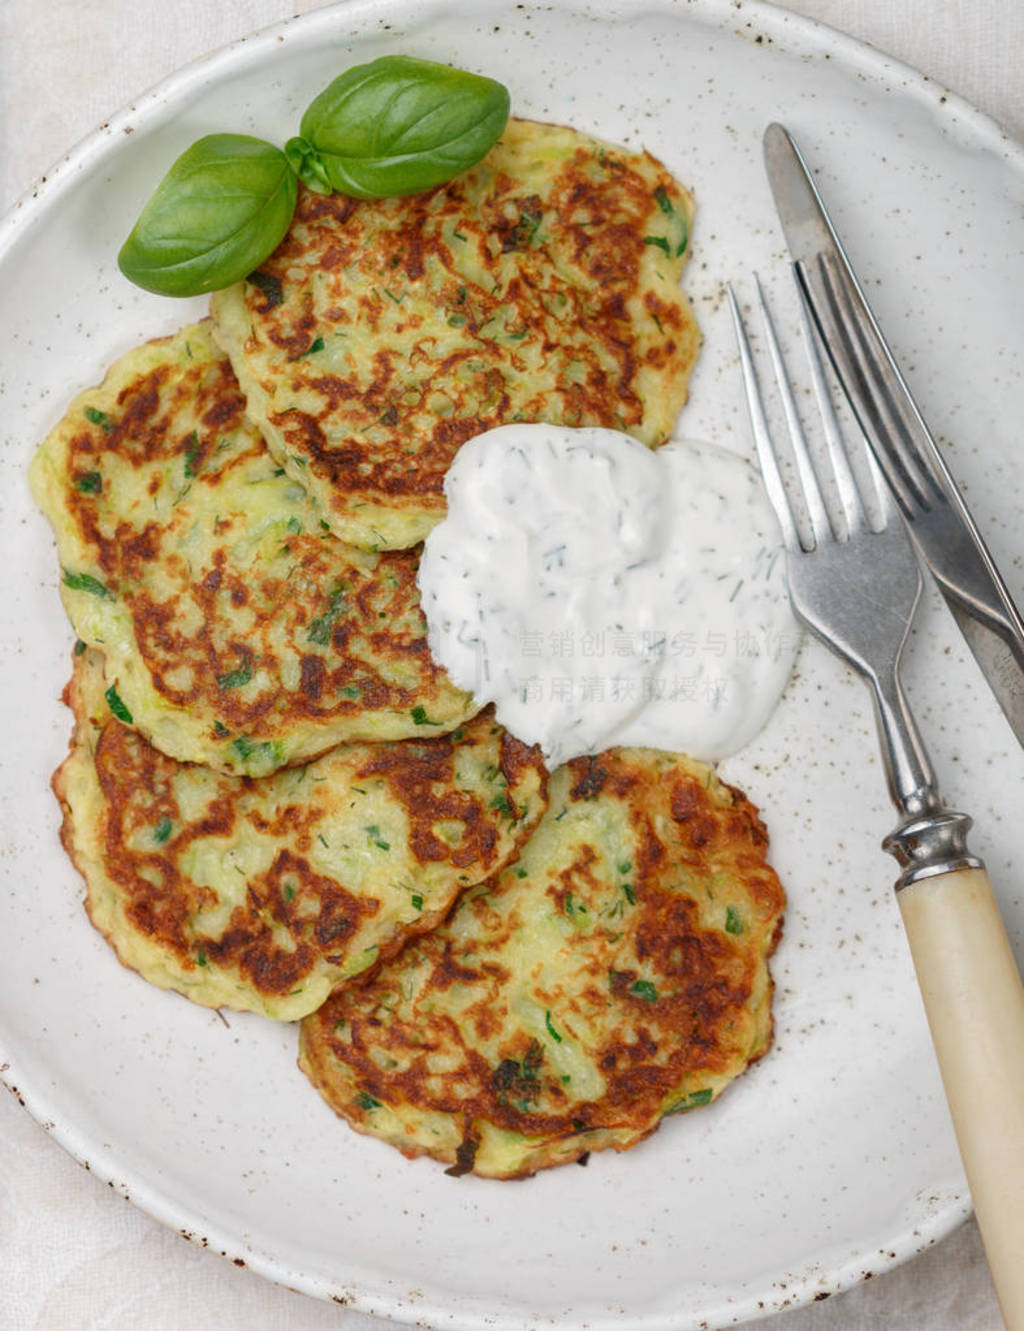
[
  {"x": 541, "y": 285},
  {"x": 236, "y": 630},
  {"x": 615, "y": 974},
  {"x": 263, "y": 895}
]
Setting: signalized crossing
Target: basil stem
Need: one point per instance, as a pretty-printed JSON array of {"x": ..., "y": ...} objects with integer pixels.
[
  {"x": 397, "y": 126},
  {"x": 221, "y": 209}
]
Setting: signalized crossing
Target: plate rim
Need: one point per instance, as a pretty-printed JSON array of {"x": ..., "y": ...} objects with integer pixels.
[
  {"x": 95, "y": 143},
  {"x": 813, "y": 35}
]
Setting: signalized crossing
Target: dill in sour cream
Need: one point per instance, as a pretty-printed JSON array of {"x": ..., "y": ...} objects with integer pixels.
[{"x": 601, "y": 594}]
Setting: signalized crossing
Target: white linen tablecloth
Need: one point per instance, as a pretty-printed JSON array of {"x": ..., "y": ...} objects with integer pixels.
[{"x": 75, "y": 1257}]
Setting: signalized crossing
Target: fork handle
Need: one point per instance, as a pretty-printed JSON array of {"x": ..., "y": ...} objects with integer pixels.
[{"x": 974, "y": 1001}]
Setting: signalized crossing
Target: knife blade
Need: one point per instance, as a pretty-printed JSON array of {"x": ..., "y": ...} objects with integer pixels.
[{"x": 946, "y": 536}]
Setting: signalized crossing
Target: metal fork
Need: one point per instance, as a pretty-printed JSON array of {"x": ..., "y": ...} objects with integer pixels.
[
  {"x": 929, "y": 499},
  {"x": 856, "y": 584}
]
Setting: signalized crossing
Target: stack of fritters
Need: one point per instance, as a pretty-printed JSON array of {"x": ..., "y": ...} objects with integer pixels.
[
  {"x": 274, "y": 795},
  {"x": 615, "y": 974}
]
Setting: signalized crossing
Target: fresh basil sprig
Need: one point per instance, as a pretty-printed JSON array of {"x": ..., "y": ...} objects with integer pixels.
[
  {"x": 220, "y": 210},
  {"x": 397, "y": 126}
]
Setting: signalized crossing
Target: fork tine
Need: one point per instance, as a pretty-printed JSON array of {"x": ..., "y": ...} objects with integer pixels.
[
  {"x": 846, "y": 484},
  {"x": 772, "y": 476},
  {"x": 884, "y": 497},
  {"x": 821, "y": 527}
]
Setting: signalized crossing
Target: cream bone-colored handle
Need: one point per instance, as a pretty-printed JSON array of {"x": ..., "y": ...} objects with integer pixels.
[{"x": 974, "y": 1000}]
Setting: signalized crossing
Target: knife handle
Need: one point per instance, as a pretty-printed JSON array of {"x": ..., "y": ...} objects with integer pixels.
[{"x": 974, "y": 1001}]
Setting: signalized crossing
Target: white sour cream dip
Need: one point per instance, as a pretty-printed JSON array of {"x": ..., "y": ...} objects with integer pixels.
[{"x": 601, "y": 594}]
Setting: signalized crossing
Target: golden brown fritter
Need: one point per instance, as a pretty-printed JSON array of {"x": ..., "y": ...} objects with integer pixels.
[
  {"x": 265, "y": 894},
  {"x": 541, "y": 285},
  {"x": 616, "y": 974},
  {"x": 236, "y": 630}
]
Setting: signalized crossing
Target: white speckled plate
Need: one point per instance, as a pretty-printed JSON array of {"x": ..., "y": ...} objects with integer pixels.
[{"x": 834, "y": 1156}]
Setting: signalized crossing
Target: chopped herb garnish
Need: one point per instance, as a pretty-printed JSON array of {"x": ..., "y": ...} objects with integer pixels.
[
  {"x": 664, "y": 202},
  {"x": 288, "y": 892},
  {"x": 364, "y": 1100},
  {"x": 457, "y": 321},
  {"x": 192, "y": 454},
  {"x": 551, "y": 1030},
  {"x": 521, "y": 236},
  {"x": 373, "y": 832},
  {"x": 417, "y": 901},
  {"x": 201, "y": 957},
  {"x": 79, "y": 647},
  {"x": 220, "y": 730},
  {"x": 85, "y": 582},
  {"x": 350, "y": 691},
  {"x": 316, "y": 345},
  {"x": 645, "y": 990},
  {"x": 733, "y": 921},
  {"x": 420, "y": 718},
  {"x": 162, "y": 831},
  {"x": 519, "y": 1079},
  {"x": 691, "y": 1101},
  {"x": 661, "y": 243},
  {"x": 273, "y": 291},
  {"x": 246, "y": 747},
  {"x": 117, "y": 707},
  {"x": 234, "y": 679},
  {"x": 97, "y": 417},
  {"x": 321, "y": 628},
  {"x": 89, "y": 483}
]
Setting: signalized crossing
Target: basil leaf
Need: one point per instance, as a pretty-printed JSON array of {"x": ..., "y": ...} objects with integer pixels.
[
  {"x": 221, "y": 209},
  {"x": 396, "y": 126}
]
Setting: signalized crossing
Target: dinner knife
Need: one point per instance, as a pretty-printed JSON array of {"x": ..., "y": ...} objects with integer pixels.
[{"x": 943, "y": 530}]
